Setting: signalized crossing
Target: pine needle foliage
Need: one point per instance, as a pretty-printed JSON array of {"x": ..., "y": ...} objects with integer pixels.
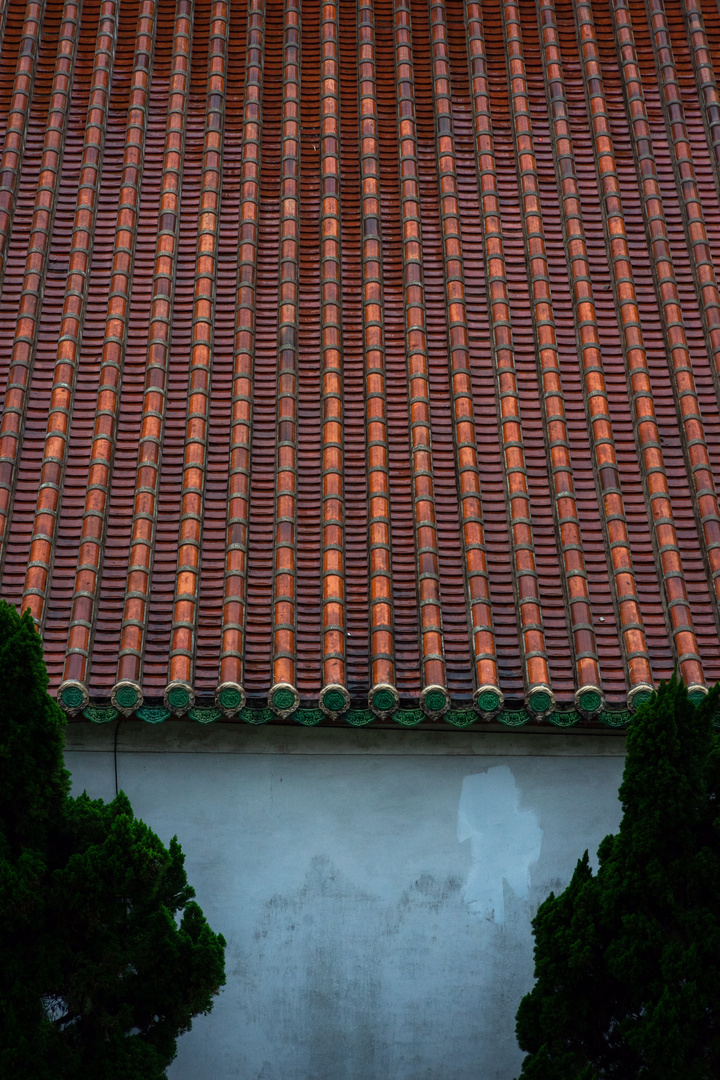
[
  {"x": 627, "y": 961},
  {"x": 105, "y": 958}
]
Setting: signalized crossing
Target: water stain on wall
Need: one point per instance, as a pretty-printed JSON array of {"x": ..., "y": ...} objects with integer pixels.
[
  {"x": 354, "y": 973},
  {"x": 505, "y": 841}
]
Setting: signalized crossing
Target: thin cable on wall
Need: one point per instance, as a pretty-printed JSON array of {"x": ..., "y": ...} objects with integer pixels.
[{"x": 115, "y": 742}]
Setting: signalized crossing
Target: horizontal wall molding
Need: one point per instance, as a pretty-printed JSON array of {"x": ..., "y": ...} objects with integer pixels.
[{"x": 136, "y": 737}]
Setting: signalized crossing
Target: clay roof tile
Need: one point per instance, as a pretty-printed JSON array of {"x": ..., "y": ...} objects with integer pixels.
[{"x": 361, "y": 360}]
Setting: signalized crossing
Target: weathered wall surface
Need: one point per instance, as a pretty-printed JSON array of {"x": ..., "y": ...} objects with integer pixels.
[{"x": 375, "y": 887}]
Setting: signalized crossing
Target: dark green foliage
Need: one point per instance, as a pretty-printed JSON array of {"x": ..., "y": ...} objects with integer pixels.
[
  {"x": 104, "y": 956},
  {"x": 33, "y": 782},
  {"x": 627, "y": 961}
]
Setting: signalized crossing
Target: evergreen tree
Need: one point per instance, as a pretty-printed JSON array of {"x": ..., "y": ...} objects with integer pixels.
[
  {"x": 627, "y": 962},
  {"x": 104, "y": 956}
]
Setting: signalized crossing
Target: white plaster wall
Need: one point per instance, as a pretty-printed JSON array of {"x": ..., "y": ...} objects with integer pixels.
[{"x": 375, "y": 888}]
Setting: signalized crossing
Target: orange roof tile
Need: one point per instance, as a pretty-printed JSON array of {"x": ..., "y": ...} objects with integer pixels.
[{"x": 362, "y": 355}]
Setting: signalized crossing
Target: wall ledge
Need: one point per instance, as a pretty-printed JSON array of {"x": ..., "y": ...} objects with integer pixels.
[{"x": 136, "y": 737}]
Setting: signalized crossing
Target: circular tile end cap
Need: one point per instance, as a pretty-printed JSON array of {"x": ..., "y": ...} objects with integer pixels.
[
  {"x": 489, "y": 700},
  {"x": 434, "y": 701},
  {"x": 283, "y": 699},
  {"x": 383, "y": 699},
  {"x": 126, "y": 696},
  {"x": 178, "y": 696},
  {"x": 334, "y": 700},
  {"x": 72, "y": 696},
  {"x": 697, "y": 693},
  {"x": 589, "y": 700},
  {"x": 230, "y": 697},
  {"x": 639, "y": 695},
  {"x": 541, "y": 701}
]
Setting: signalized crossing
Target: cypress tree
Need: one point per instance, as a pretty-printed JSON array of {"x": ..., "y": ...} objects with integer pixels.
[
  {"x": 627, "y": 961},
  {"x": 105, "y": 958}
]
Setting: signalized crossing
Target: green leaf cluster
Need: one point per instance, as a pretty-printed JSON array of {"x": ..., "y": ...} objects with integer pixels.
[
  {"x": 627, "y": 961},
  {"x": 105, "y": 958}
]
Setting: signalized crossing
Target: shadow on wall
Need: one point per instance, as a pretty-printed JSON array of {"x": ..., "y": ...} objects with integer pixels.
[{"x": 355, "y": 976}]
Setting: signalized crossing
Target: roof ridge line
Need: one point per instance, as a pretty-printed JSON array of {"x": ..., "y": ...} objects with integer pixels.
[
  {"x": 183, "y": 634},
  {"x": 650, "y": 457},
  {"x": 382, "y": 695},
  {"x": 698, "y": 245},
  {"x": 229, "y": 693},
  {"x": 83, "y": 614},
  {"x": 427, "y": 559},
  {"x": 24, "y": 349},
  {"x": 568, "y": 534},
  {"x": 481, "y": 632},
  {"x": 531, "y": 636},
  {"x": 57, "y": 429},
  {"x": 334, "y": 696},
  {"x": 283, "y": 696},
  {"x": 149, "y": 453},
  {"x": 13, "y": 151},
  {"x": 599, "y": 423},
  {"x": 692, "y": 430}
]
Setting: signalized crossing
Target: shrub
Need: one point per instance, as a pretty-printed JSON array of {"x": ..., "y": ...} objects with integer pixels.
[
  {"x": 105, "y": 957},
  {"x": 627, "y": 961}
]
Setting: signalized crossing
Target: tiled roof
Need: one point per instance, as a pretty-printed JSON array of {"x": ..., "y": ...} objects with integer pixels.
[{"x": 362, "y": 350}]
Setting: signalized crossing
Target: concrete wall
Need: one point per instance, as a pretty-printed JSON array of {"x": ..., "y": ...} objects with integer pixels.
[{"x": 375, "y": 887}]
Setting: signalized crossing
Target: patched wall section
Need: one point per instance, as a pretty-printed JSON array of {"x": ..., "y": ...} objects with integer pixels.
[{"x": 376, "y": 893}]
